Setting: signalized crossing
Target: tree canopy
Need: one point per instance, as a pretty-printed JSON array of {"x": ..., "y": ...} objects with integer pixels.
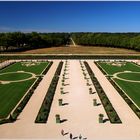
[
  {"x": 22, "y": 41},
  {"x": 120, "y": 40}
]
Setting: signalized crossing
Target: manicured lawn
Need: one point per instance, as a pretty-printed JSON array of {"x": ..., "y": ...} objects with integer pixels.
[
  {"x": 14, "y": 76},
  {"x": 130, "y": 76},
  {"x": 11, "y": 94},
  {"x": 36, "y": 69},
  {"x": 132, "y": 89},
  {"x": 110, "y": 69}
]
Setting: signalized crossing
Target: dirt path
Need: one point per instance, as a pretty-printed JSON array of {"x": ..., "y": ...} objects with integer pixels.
[{"x": 73, "y": 42}]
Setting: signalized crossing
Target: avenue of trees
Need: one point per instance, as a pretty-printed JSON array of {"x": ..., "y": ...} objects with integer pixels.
[
  {"x": 21, "y": 41},
  {"x": 18, "y": 41},
  {"x": 118, "y": 40}
]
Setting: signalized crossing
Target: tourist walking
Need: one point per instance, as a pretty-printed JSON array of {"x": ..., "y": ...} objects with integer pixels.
[
  {"x": 80, "y": 137},
  {"x": 62, "y": 132},
  {"x": 71, "y": 136}
]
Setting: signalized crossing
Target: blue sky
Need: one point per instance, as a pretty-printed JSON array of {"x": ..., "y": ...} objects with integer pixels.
[{"x": 64, "y": 16}]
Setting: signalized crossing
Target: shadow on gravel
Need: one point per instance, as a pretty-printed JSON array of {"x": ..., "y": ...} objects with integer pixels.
[
  {"x": 105, "y": 120},
  {"x": 64, "y": 120},
  {"x": 98, "y": 104},
  {"x": 65, "y": 104}
]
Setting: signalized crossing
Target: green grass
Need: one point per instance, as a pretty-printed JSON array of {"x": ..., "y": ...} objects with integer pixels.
[
  {"x": 14, "y": 76},
  {"x": 36, "y": 69},
  {"x": 130, "y": 76},
  {"x": 11, "y": 94},
  {"x": 131, "y": 88},
  {"x": 110, "y": 70}
]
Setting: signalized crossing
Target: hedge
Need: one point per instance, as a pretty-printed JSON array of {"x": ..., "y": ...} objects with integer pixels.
[
  {"x": 111, "y": 112},
  {"x": 74, "y": 56},
  {"x": 44, "y": 111}
]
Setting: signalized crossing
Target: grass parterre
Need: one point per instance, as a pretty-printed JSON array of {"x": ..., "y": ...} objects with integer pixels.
[
  {"x": 11, "y": 91},
  {"x": 125, "y": 78}
]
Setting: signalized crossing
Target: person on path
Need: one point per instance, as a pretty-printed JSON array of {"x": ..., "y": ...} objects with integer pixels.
[
  {"x": 62, "y": 132},
  {"x": 71, "y": 136},
  {"x": 80, "y": 137}
]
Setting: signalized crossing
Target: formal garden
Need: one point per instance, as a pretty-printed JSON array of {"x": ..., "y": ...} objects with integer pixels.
[
  {"x": 125, "y": 77},
  {"x": 18, "y": 80},
  {"x": 71, "y": 94}
]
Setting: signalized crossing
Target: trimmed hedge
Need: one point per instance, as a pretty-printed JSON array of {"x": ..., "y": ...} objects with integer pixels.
[
  {"x": 44, "y": 111},
  {"x": 111, "y": 112},
  {"x": 74, "y": 56}
]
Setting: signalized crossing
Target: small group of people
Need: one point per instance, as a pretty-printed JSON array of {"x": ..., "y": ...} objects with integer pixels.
[{"x": 71, "y": 136}]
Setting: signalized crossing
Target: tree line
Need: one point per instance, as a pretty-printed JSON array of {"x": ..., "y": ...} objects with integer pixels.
[
  {"x": 19, "y": 41},
  {"x": 118, "y": 40},
  {"x": 22, "y": 41}
]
